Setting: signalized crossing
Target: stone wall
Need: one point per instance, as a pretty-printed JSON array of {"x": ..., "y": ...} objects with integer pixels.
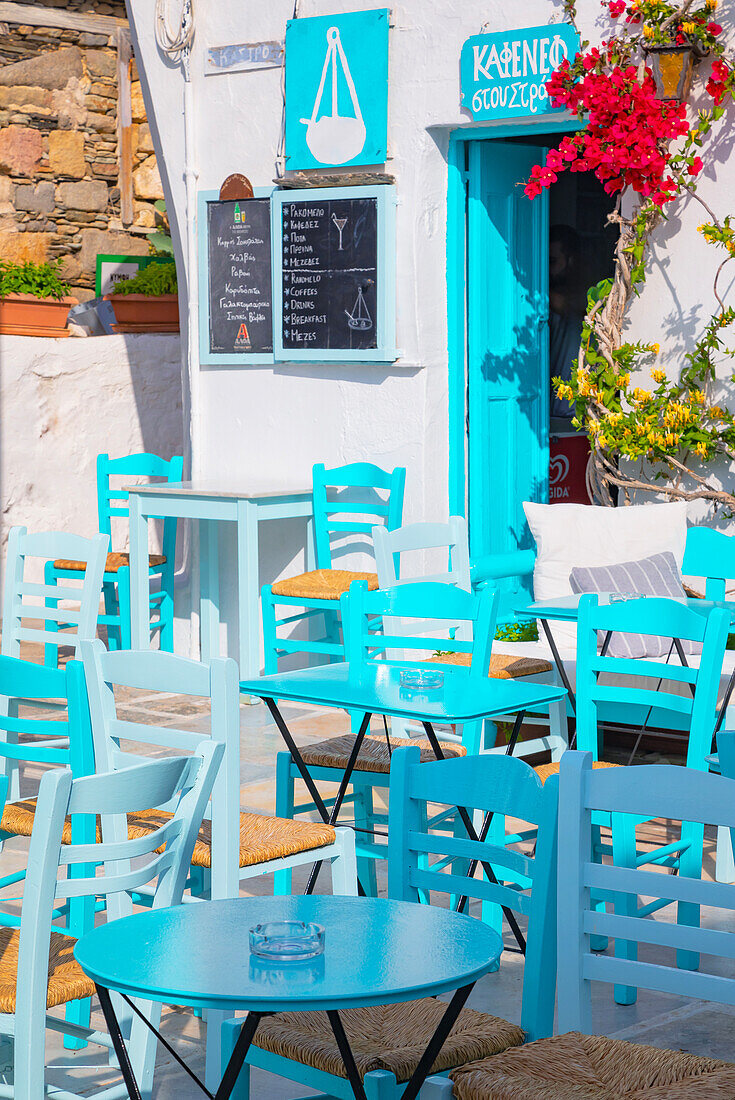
[{"x": 59, "y": 162}]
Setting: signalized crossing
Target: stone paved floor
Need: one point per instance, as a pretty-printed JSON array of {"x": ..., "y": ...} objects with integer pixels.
[{"x": 665, "y": 1021}]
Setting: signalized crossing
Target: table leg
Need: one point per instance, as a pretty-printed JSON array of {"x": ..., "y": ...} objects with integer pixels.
[
  {"x": 118, "y": 1043},
  {"x": 560, "y": 665},
  {"x": 140, "y": 610},
  {"x": 472, "y": 834},
  {"x": 353, "y": 1075},
  {"x": 344, "y": 783},
  {"x": 297, "y": 759},
  {"x": 248, "y": 590},
  {"x": 209, "y": 588},
  {"x": 437, "y": 1041}
]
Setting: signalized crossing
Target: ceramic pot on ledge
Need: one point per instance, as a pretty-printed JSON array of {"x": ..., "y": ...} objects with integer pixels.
[
  {"x": 26, "y": 315},
  {"x": 144, "y": 312}
]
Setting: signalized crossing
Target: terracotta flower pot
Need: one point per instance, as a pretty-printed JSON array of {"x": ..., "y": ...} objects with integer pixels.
[
  {"x": 145, "y": 313},
  {"x": 25, "y": 315}
]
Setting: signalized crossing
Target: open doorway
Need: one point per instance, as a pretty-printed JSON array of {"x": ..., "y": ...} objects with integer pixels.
[{"x": 529, "y": 266}]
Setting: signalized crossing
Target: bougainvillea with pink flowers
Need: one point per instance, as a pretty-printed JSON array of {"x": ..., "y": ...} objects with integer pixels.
[{"x": 648, "y": 153}]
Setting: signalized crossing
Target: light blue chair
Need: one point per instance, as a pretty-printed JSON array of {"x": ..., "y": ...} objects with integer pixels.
[
  {"x": 578, "y": 1056},
  {"x": 436, "y": 606},
  {"x": 25, "y": 601},
  {"x": 112, "y": 504},
  {"x": 605, "y": 682},
  {"x": 61, "y": 737},
  {"x": 233, "y": 845},
  {"x": 347, "y": 502},
  {"x": 47, "y": 974},
  {"x": 489, "y": 784},
  {"x": 451, "y": 540}
]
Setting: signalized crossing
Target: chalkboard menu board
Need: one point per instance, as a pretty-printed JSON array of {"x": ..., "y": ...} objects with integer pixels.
[
  {"x": 240, "y": 294},
  {"x": 329, "y": 273}
]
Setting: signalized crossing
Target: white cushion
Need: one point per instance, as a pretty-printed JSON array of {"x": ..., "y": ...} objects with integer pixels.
[{"x": 569, "y": 535}]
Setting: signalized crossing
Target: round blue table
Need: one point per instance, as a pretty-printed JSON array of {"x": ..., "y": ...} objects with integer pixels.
[{"x": 376, "y": 952}]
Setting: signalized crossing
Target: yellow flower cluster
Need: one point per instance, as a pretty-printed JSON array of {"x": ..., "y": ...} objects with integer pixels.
[
  {"x": 640, "y": 397},
  {"x": 701, "y": 450},
  {"x": 677, "y": 415},
  {"x": 697, "y": 397},
  {"x": 710, "y": 5},
  {"x": 689, "y": 28},
  {"x": 566, "y": 393},
  {"x": 658, "y": 375},
  {"x": 648, "y": 32}
]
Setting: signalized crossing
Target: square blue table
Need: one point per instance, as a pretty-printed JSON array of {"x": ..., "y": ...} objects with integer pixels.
[
  {"x": 212, "y": 503},
  {"x": 374, "y": 687}
]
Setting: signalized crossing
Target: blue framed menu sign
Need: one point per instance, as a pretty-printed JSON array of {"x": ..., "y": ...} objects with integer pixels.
[
  {"x": 504, "y": 75},
  {"x": 334, "y": 268},
  {"x": 235, "y": 280}
]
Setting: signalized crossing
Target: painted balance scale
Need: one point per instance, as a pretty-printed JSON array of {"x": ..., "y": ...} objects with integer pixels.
[
  {"x": 358, "y": 318},
  {"x": 335, "y": 138}
]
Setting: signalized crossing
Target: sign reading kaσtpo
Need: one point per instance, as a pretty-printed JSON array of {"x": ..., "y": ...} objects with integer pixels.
[{"x": 504, "y": 75}]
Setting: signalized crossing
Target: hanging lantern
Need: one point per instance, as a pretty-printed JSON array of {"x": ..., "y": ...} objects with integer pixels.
[{"x": 673, "y": 67}]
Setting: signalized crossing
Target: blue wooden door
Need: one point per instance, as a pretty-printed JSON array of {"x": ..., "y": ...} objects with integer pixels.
[{"x": 508, "y": 354}]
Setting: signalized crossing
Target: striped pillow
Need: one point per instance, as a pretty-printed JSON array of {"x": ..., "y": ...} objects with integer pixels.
[{"x": 655, "y": 576}]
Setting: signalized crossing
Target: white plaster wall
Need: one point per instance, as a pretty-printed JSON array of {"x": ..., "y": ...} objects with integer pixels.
[
  {"x": 62, "y": 402},
  {"x": 261, "y": 421}
]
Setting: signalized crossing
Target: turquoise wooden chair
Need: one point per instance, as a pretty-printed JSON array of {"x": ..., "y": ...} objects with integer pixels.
[
  {"x": 492, "y": 785},
  {"x": 578, "y": 1061},
  {"x": 452, "y": 541},
  {"x": 112, "y": 503},
  {"x": 472, "y": 621},
  {"x": 232, "y": 846},
  {"x": 25, "y": 601},
  {"x": 639, "y": 704},
  {"x": 348, "y": 500},
  {"x": 46, "y": 974},
  {"x": 63, "y": 739}
]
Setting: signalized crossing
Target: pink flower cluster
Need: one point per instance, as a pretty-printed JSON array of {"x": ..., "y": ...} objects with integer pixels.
[
  {"x": 720, "y": 81},
  {"x": 625, "y": 142}
]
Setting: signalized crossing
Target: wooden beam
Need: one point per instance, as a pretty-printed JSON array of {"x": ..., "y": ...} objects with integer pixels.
[
  {"x": 124, "y": 124},
  {"x": 35, "y": 15}
]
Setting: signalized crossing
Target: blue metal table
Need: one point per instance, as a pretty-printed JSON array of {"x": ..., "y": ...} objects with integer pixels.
[
  {"x": 566, "y": 609},
  {"x": 377, "y": 952},
  {"x": 374, "y": 687},
  {"x": 212, "y": 503}
]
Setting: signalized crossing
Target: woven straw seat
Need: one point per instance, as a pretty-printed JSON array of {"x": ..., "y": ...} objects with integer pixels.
[
  {"x": 322, "y": 584},
  {"x": 374, "y": 755},
  {"x": 387, "y": 1037},
  {"x": 593, "y": 1067},
  {"x": 66, "y": 979},
  {"x": 114, "y": 562},
  {"x": 503, "y": 666},
  {"x": 543, "y": 771},
  {"x": 261, "y": 838}
]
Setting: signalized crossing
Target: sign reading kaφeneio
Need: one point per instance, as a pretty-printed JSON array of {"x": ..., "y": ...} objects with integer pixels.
[{"x": 504, "y": 75}]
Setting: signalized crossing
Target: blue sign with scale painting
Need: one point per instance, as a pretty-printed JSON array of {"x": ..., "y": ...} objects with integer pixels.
[
  {"x": 504, "y": 75},
  {"x": 337, "y": 90}
]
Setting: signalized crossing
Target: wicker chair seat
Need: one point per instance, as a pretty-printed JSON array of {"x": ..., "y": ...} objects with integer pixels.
[
  {"x": 593, "y": 1067},
  {"x": 114, "y": 562},
  {"x": 322, "y": 584},
  {"x": 503, "y": 666},
  {"x": 261, "y": 838},
  {"x": 66, "y": 979},
  {"x": 543, "y": 771},
  {"x": 374, "y": 755},
  {"x": 387, "y": 1037}
]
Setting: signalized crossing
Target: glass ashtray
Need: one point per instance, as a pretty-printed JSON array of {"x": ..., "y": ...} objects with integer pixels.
[
  {"x": 621, "y": 597},
  {"x": 422, "y": 679},
  {"x": 286, "y": 940}
]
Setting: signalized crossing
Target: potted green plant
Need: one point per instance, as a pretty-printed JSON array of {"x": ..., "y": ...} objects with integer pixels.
[
  {"x": 149, "y": 302},
  {"x": 34, "y": 301}
]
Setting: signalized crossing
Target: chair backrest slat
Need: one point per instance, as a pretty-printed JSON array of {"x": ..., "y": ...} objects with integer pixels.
[
  {"x": 164, "y": 673},
  {"x": 710, "y": 554},
  {"x": 503, "y": 786},
  {"x": 49, "y": 546},
  {"x": 353, "y": 489},
  {"x": 421, "y": 537},
  {"x": 643, "y": 685},
  {"x": 647, "y": 792},
  {"x": 144, "y": 465}
]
